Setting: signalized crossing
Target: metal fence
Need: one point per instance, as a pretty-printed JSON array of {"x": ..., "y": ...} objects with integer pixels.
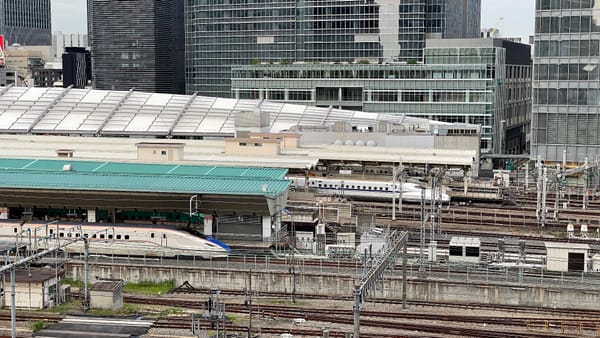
[{"x": 514, "y": 275}]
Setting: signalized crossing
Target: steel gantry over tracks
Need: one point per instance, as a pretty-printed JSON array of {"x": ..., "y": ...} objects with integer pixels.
[{"x": 385, "y": 259}]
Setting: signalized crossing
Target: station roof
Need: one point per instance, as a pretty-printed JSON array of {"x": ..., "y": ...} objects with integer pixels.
[
  {"x": 101, "y": 167},
  {"x": 101, "y": 112},
  {"x": 128, "y": 177}
]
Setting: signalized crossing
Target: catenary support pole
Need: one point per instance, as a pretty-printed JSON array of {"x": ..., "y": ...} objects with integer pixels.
[{"x": 13, "y": 307}]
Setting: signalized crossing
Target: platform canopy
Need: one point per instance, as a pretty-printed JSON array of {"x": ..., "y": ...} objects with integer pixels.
[
  {"x": 128, "y": 113},
  {"x": 89, "y": 184}
]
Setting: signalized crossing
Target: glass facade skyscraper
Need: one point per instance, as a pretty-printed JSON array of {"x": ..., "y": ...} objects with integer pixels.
[
  {"x": 566, "y": 115},
  {"x": 26, "y": 22},
  {"x": 476, "y": 81},
  {"x": 133, "y": 48},
  {"x": 223, "y": 33}
]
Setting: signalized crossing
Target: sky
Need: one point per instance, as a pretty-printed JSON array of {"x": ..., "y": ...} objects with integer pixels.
[{"x": 69, "y": 16}]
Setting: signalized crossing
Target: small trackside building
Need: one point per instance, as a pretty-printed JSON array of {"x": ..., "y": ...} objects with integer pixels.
[
  {"x": 107, "y": 295},
  {"x": 568, "y": 257},
  {"x": 34, "y": 288}
]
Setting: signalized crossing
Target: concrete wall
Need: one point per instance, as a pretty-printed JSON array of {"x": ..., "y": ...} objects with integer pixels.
[{"x": 342, "y": 285}]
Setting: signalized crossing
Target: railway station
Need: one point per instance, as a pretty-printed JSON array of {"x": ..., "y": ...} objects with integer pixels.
[{"x": 330, "y": 190}]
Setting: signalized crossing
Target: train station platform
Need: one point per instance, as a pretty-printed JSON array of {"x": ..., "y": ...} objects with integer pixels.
[{"x": 239, "y": 200}]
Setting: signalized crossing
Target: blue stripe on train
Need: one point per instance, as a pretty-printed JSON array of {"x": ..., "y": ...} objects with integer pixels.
[{"x": 218, "y": 242}]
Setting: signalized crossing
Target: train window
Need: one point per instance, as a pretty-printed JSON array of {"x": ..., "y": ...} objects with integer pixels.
[
  {"x": 62, "y": 234},
  {"x": 380, "y": 188},
  {"x": 151, "y": 235},
  {"x": 110, "y": 236},
  {"x": 102, "y": 236},
  {"x": 386, "y": 189},
  {"x": 126, "y": 236},
  {"x": 352, "y": 187},
  {"x": 320, "y": 185},
  {"x": 118, "y": 236}
]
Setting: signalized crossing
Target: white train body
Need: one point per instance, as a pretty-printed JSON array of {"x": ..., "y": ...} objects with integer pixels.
[
  {"x": 108, "y": 239},
  {"x": 371, "y": 190}
]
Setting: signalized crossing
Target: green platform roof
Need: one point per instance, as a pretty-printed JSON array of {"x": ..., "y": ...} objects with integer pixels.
[
  {"x": 130, "y": 177},
  {"x": 141, "y": 168}
]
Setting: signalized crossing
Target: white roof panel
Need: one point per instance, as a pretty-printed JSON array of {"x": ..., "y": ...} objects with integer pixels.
[
  {"x": 33, "y": 94},
  {"x": 72, "y": 122},
  {"x": 8, "y": 118},
  {"x": 94, "y": 96},
  {"x": 221, "y": 103},
  {"x": 210, "y": 126},
  {"x": 140, "y": 123},
  {"x": 159, "y": 99}
]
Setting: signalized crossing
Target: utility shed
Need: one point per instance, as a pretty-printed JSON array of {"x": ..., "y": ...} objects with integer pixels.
[
  {"x": 464, "y": 249},
  {"x": 160, "y": 151},
  {"x": 107, "y": 295},
  {"x": 34, "y": 288},
  {"x": 567, "y": 257}
]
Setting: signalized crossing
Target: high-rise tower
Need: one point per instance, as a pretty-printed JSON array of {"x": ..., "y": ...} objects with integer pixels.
[
  {"x": 137, "y": 44},
  {"x": 566, "y": 114},
  {"x": 222, "y": 33},
  {"x": 26, "y": 22}
]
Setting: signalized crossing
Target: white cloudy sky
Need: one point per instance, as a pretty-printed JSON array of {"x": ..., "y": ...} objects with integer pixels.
[{"x": 69, "y": 16}]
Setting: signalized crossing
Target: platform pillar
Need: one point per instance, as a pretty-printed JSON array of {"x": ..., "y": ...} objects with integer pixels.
[
  {"x": 91, "y": 215},
  {"x": 266, "y": 227},
  {"x": 208, "y": 225}
]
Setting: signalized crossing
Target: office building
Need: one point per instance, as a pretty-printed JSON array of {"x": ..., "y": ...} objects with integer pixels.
[
  {"x": 134, "y": 48},
  {"x": 24, "y": 59},
  {"x": 60, "y": 41},
  {"x": 566, "y": 115},
  {"x": 476, "y": 81},
  {"x": 222, "y": 33},
  {"x": 26, "y": 22},
  {"x": 76, "y": 65},
  {"x": 46, "y": 77}
]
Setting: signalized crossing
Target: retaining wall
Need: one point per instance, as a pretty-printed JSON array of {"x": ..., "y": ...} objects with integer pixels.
[{"x": 342, "y": 285}]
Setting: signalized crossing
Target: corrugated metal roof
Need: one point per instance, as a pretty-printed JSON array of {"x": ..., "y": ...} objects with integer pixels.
[
  {"x": 69, "y": 180},
  {"x": 142, "y": 168}
]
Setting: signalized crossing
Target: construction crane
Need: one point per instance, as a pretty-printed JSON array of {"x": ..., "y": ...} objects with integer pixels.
[{"x": 494, "y": 31}]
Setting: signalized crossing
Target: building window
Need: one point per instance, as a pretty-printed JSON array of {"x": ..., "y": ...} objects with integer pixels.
[{"x": 163, "y": 152}]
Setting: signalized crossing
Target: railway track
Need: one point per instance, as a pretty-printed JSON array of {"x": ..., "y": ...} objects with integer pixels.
[
  {"x": 447, "y": 325},
  {"x": 563, "y": 313}
]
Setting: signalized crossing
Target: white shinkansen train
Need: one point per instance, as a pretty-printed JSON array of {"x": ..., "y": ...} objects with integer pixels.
[
  {"x": 366, "y": 190},
  {"x": 109, "y": 239}
]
